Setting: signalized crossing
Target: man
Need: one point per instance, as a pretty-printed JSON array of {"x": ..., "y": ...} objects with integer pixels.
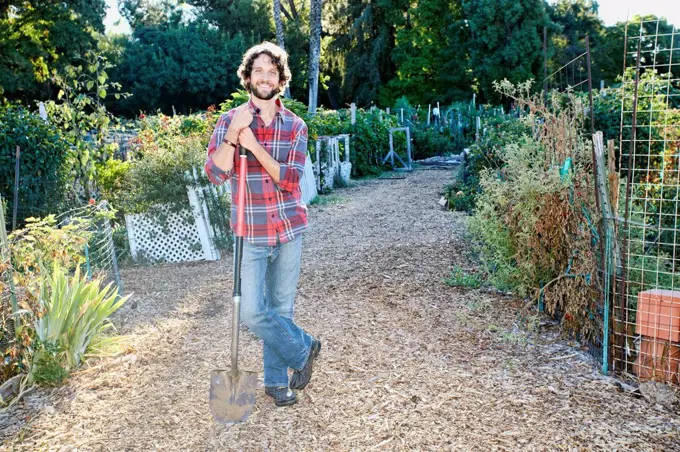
[{"x": 275, "y": 216}]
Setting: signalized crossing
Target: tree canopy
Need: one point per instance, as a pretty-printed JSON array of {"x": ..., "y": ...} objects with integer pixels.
[
  {"x": 184, "y": 54},
  {"x": 40, "y": 36}
]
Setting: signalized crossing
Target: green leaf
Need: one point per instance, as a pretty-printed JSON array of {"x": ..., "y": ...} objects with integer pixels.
[
  {"x": 102, "y": 93},
  {"x": 90, "y": 84},
  {"x": 60, "y": 94}
]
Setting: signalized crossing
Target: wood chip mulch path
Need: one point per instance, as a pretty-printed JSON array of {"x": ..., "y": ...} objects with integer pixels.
[{"x": 407, "y": 362}]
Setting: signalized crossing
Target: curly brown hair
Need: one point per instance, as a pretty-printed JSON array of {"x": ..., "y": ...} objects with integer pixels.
[{"x": 278, "y": 56}]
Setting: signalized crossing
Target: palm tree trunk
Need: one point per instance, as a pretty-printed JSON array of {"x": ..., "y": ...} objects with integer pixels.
[
  {"x": 279, "y": 35},
  {"x": 314, "y": 52}
]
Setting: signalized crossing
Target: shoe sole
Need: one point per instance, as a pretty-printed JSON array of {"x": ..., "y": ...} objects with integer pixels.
[{"x": 286, "y": 403}]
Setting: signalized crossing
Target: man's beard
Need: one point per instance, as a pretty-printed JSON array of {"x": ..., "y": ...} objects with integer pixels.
[{"x": 254, "y": 91}]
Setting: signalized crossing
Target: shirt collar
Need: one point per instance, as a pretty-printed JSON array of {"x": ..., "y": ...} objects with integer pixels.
[{"x": 281, "y": 112}]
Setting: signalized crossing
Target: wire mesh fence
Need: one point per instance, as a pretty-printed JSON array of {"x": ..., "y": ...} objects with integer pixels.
[
  {"x": 575, "y": 78},
  {"x": 645, "y": 290},
  {"x": 91, "y": 222}
]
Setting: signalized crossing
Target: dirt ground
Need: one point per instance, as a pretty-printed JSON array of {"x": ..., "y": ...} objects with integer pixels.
[{"x": 407, "y": 362}]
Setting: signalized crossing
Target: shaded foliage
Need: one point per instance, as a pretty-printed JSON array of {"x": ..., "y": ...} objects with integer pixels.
[{"x": 40, "y": 36}]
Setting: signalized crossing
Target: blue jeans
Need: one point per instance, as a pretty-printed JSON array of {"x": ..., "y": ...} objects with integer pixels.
[{"x": 269, "y": 277}]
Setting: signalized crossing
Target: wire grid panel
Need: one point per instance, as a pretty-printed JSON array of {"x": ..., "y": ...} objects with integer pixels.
[
  {"x": 175, "y": 239},
  {"x": 575, "y": 77},
  {"x": 646, "y": 311}
]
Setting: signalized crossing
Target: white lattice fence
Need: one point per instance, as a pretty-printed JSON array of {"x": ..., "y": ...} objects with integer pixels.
[{"x": 165, "y": 236}]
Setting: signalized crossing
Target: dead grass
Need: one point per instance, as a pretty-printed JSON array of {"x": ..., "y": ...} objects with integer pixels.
[{"x": 408, "y": 362}]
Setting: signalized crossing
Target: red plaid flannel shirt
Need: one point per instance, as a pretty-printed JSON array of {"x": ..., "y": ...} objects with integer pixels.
[{"x": 272, "y": 212}]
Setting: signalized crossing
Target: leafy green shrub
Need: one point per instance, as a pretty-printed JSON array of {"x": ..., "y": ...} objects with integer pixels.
[
  {"x": 534, "y": 222},
  {"x": 81, "y": 114},
  {"x": 428, "y": 142},
  {"x": 462, "y": 278},
  {"x": 47, "y": 368},
  {"x": 462, "y": 194},
  {"x": 370, "y": 142},
  {"x": 484, "y": 154},
  {"x": 113, "y": 180},
  {"x": 193, "y": 124},
  {"x": 163, "y": 156},
  {"x": 44, "y": 162}
]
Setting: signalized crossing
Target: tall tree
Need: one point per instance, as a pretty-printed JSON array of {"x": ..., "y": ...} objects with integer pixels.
[
  {"x": 252, "y": 18},
  {"x": 40, "y": 36},
  {"x": 363, "y": 37},
  {"x": 574, "y": 20},
  {"x": 280, "y": 35},
  {"x": 147, "y": 13},
  {"x": 430, "y": 55},
  {"x": 186, "y": 66},
  {"x": 314, "y": 53},
  {"x": 506, "y": 41}
]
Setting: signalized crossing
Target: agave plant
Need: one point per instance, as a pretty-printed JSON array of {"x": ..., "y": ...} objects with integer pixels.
[{"x": 74, "y": 312}]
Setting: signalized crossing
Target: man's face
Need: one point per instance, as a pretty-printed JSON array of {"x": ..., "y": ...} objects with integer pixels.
[{"x": 264, "y": 78}]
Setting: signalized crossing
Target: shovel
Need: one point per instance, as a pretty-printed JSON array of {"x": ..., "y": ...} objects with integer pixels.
[{"x": 232, "y": 392}]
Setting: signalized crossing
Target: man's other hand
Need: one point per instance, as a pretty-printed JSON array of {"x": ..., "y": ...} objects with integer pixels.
[
  {"x": 242, "y": 118},
  {"x": 247, "y": 139}
]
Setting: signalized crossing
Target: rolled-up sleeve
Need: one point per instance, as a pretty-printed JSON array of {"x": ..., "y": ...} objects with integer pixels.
[
  {"x": 214, "y": 173},
  {"x": 291, "y": 171}
]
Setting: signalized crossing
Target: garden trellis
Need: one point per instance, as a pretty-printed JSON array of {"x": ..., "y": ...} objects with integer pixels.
[
  {"x": 575, "y": 78},
  {"x": 645, "y": 289}
]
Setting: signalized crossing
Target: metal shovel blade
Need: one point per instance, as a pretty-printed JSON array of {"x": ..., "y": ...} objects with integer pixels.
[{"x": 232, "y": 395}]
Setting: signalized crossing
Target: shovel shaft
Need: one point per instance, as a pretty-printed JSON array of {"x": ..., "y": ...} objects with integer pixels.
[
  {"x": 234, "y": 334},
  {"x": 238, "y": 255}
]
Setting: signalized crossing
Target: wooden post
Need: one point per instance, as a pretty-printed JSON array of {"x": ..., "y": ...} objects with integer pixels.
[
  {"x": 387, "y": 110},
  {"x": 613, "y": 177},
  {"x": 402, "y": 115},
  {"x": 429, "y": 109},
  {"x": 353, "y": 110}
]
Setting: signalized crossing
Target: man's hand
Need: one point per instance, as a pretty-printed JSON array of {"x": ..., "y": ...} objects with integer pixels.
[
  {"x": 246, "y": 138},
  {"x": 241, "y": 120}
]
